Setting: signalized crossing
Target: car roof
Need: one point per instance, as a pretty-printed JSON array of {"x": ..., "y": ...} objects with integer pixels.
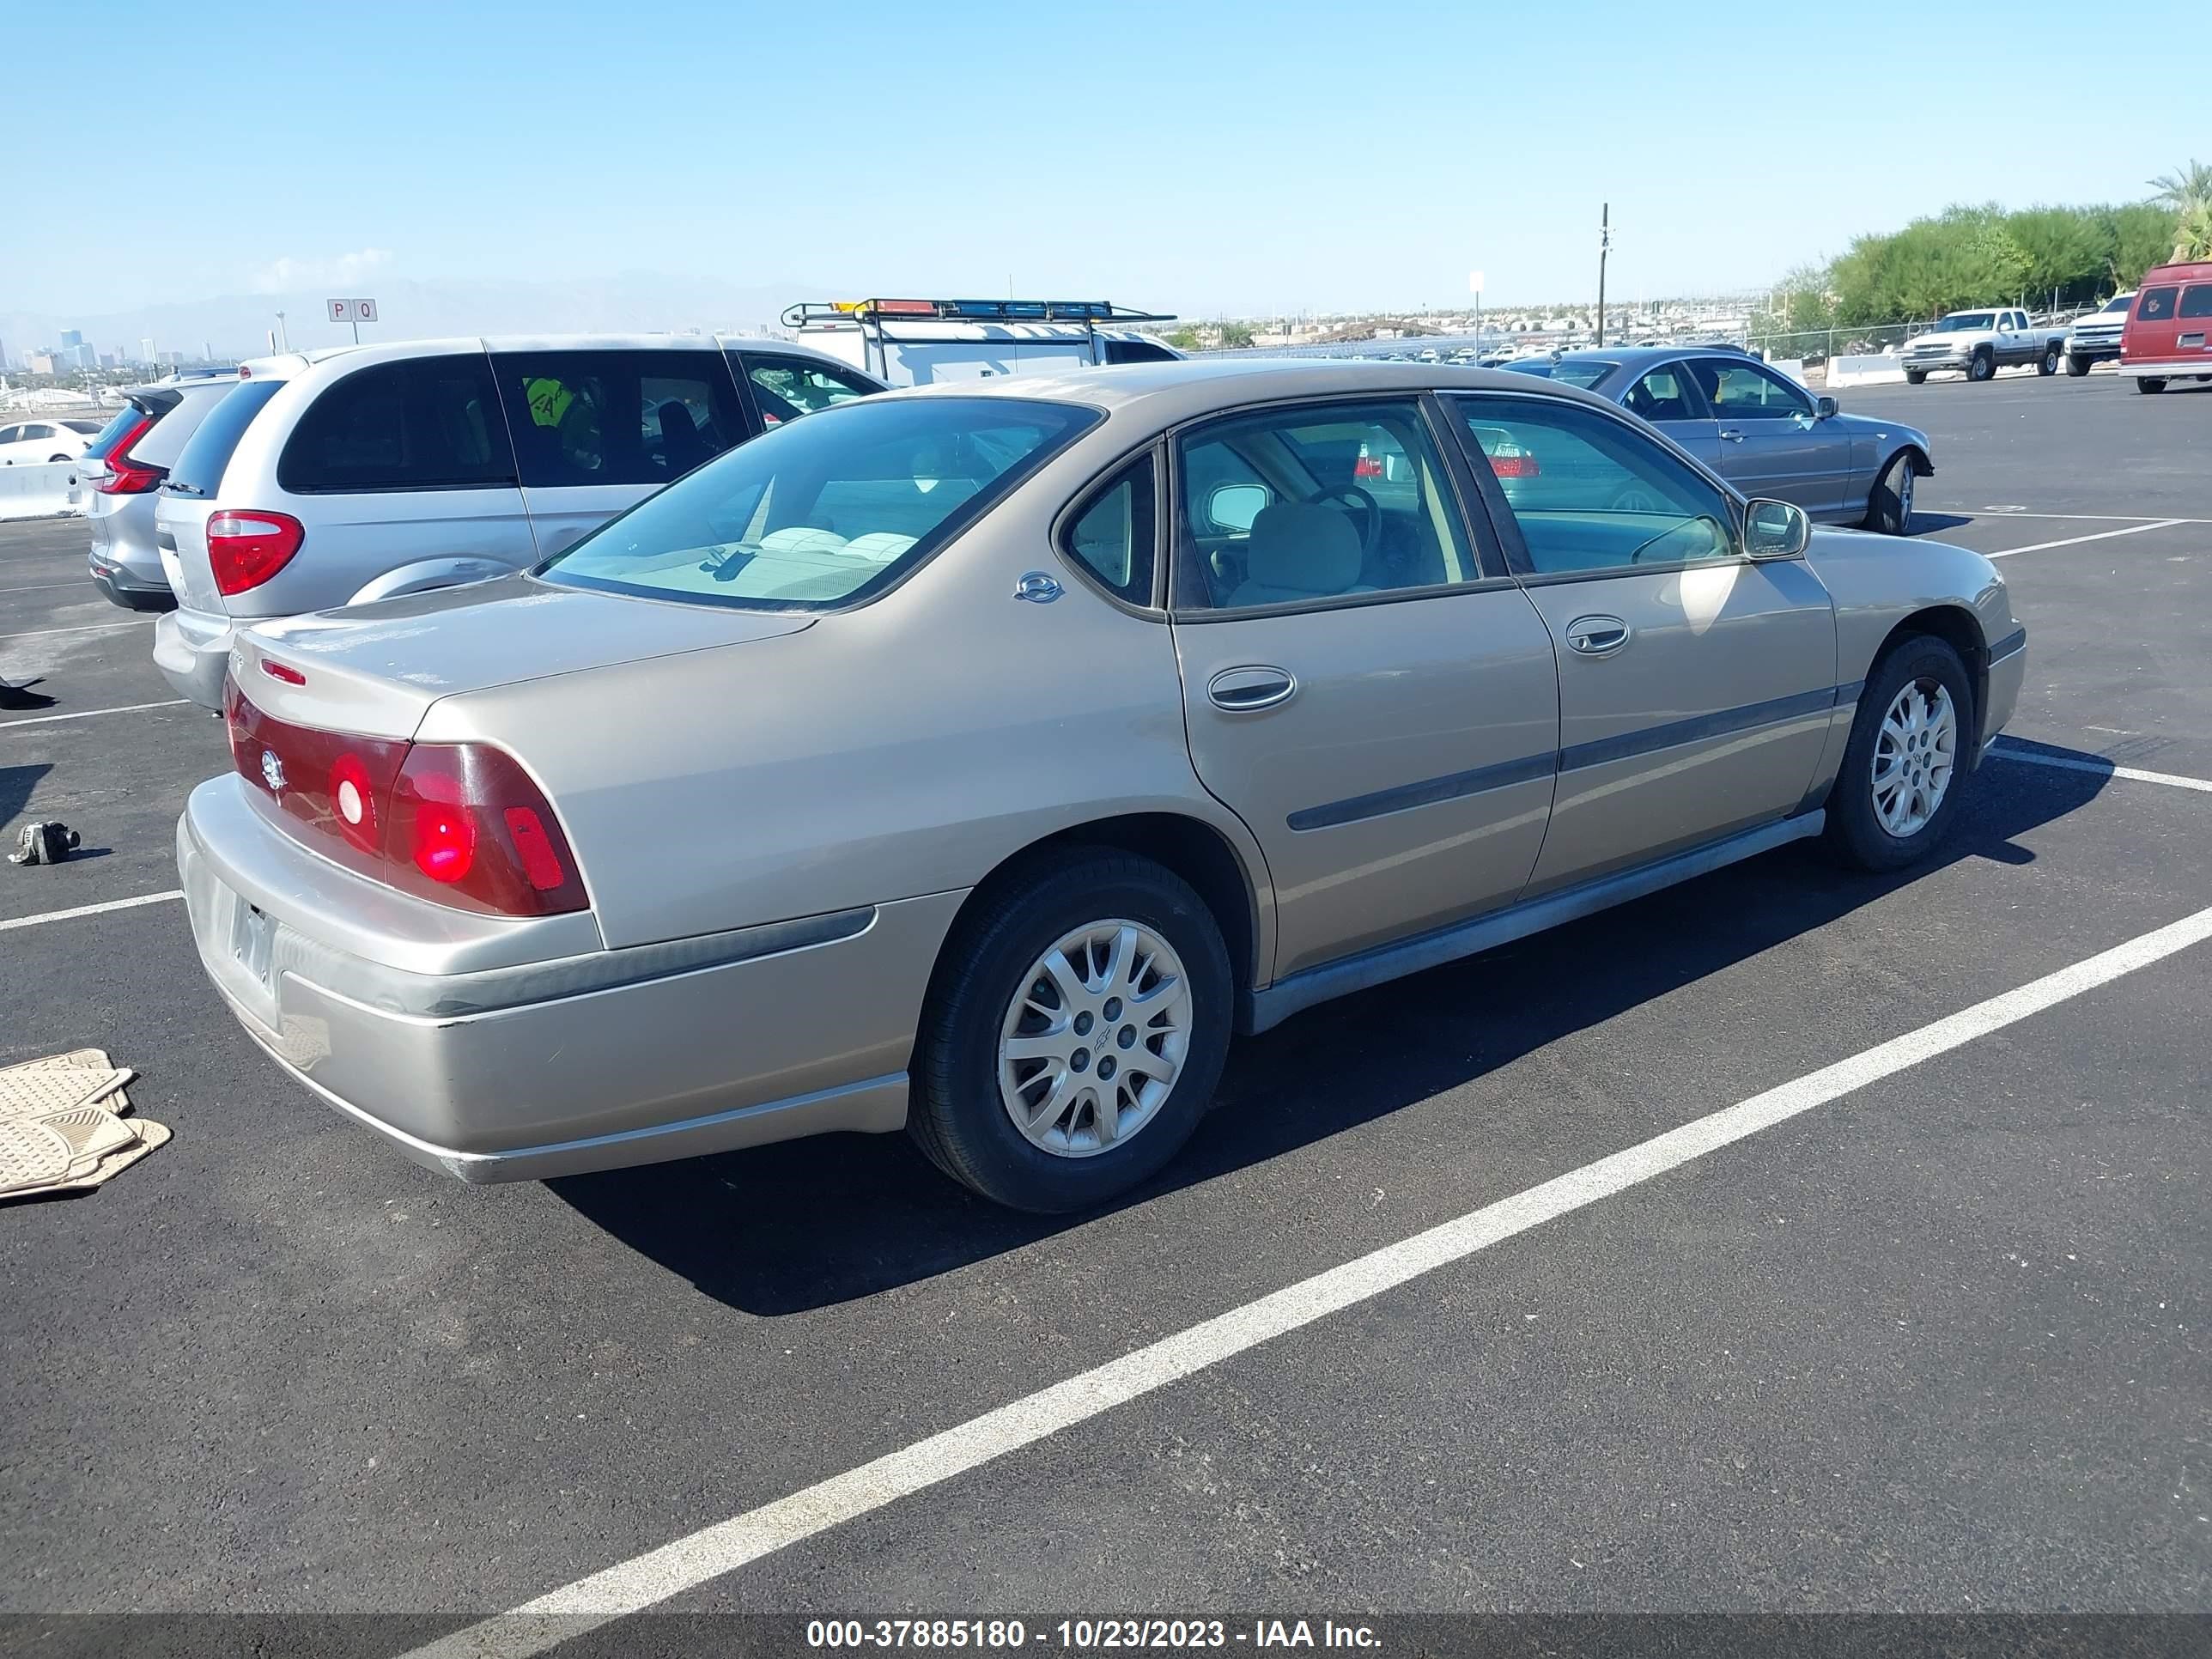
[{"x": 1168, "y": 392}]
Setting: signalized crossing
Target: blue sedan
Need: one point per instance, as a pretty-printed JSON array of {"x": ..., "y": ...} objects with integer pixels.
[{"x": 1759, "y": 429}]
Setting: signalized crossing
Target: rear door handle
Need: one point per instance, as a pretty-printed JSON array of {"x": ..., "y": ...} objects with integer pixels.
[
  {"x": 1596, "y": 636},
  {"x": 1730, "y": 435},
  {"x": 1244, "y": 690}
]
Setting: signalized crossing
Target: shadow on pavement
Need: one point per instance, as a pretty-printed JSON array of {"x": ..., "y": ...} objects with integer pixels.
[
  {"x": 17, "y": 785},
  {"x": 1925, "y": 523},
  {"x": 809, "y": 1224}
]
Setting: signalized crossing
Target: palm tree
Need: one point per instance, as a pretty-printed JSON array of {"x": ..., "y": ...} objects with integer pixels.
[{"x": 2188, "y": 191}]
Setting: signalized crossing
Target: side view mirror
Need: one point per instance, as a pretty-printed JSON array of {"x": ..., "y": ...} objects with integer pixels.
[
  {"x": 1776, "y": 530},
  {"x": 1233, "y": 507},
  {"x": 1826, "y": 408}
]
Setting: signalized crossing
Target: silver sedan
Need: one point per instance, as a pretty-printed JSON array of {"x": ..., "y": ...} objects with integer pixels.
[
  {"x": 1759, "y": 429},
  {"x": 979, "y": 759}
]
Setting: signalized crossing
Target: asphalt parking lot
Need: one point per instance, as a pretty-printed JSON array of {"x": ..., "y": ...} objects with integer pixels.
[{"x": 1941, "y": 1341}]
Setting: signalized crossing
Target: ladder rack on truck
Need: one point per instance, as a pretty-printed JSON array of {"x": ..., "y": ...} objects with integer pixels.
[{"x": 1096, "y": 331}]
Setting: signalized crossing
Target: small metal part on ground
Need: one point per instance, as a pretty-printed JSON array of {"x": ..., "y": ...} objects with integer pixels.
[
  {"x": 45, "y": 843},
  {"x": 64, "y": 1125}
]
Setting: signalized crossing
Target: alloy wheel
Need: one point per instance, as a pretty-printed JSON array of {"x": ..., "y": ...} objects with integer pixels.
[
  {"x": 1915, "y": 754},
  {"x": 1095, "y": 1038}
]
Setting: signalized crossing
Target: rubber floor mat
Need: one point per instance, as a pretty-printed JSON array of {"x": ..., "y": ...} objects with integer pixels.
[{"x": 63, "y": 1127}]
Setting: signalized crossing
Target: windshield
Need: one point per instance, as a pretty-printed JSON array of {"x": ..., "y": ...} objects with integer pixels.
[
  {"x": 822, "y": 511},
  {"x": 1965, "y": 322},
  {"x": 2119, "y": 302}
]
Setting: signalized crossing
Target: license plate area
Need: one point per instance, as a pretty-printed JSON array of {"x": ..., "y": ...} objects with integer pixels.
[{"x": 252, "y": 950}]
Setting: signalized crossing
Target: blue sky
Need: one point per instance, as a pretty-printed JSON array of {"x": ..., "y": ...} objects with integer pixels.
[{"x": 1192, "y": 156}]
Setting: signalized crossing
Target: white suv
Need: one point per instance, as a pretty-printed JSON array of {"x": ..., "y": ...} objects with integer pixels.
[{"x": 335, "y": 477}]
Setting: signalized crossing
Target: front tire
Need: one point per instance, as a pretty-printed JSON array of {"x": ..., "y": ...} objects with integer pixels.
[
  {"x": 1889, "y": 504},
  {"x": 1916, "y": 377},
  {"x": 2147, "y": 384},
  {"x": 1982, "y": 365},
  {"x": 1074, "y": 1032},
  {"x": 2048, "y": 365},
  {"x": 2076, "y": 364},
  {"x": 1910, "y": 745}
]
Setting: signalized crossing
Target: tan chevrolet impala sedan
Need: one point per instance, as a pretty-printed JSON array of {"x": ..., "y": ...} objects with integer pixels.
[{"x": 977, "y": 760}]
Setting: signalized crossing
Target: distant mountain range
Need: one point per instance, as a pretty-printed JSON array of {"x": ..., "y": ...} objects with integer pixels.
[{"x": 239, "y": 325}]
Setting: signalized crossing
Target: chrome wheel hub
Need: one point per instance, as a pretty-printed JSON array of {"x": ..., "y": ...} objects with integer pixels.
[
  {"x": 1096, "y": 1035},
  {"x": 1904, "y": 493},
  {"x": 1914, "y": 755}
]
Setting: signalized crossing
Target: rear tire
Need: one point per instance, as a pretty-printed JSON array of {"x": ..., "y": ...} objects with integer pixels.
[
  {"x": 1982, "y": 365},
  {"x": 1916, "y": 377},
  {"x": 2147, "y": 384},
  {"x": 999, "y": 1034},
  {"x": 1889, "y": 504},
  {"x": 2052, "y": 353},
  {"x": 1872, "y": 824},
  {"x": 2076, "y": 364}
]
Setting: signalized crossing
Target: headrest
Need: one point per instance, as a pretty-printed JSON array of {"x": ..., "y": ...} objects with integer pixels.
[{"x": 1298, "y": 544}]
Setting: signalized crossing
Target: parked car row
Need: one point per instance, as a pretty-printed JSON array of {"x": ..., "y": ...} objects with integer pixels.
[
  {"x": 2156, "y": 332},
  {"x": 980, "y": 758}
]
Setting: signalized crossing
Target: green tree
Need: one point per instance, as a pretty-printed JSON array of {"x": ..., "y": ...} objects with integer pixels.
[
  {"x": 2069, "y": 251},
  {"x": 1236, "y": 334},
  {"x": 1182, "y": 339},
  {"x": 2143, "y": 235},
  {"x": 2188, "y": 191}
]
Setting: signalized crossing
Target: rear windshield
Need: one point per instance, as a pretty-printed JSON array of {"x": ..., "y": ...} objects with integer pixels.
[
  {"x": 126, "y": 419},
  {"x": 1583, "y": 372},
  {"x": 166, "y": 442},
  {"x": 2155, "y": 305},
  {"x": 198, "y": 471},
  {"x": 825, "y": 511}
]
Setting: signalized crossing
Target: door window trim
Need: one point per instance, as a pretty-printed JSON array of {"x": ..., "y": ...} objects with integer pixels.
[
  {"x": 1507, "y": 529},
  {"x": 1109, "y": 477},
  {"x": 1491, "y": 562}
]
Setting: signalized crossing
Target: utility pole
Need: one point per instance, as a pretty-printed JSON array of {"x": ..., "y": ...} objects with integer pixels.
[
  {"x": 282, "y": 335},
  {"x": 1604, "y": 246}
]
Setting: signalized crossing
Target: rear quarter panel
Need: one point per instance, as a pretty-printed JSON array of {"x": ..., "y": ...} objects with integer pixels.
[{"x": 903, "y": 748}]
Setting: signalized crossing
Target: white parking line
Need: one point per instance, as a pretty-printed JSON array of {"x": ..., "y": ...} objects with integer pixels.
[
  {"x": 2004, "y": 750},
  {"x": 87, "y": 713},
  {"x": 2098, "y": 536},
  {"x": 13, "y": 922},
  {"x": 2090, "y": 518},
  {"x": 32, "y": 587},
  {"x": 92, "y": 628},
  {"x": 687, "y": 1562}
]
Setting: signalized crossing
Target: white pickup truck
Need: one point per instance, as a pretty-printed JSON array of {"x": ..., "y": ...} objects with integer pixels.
[{"x": 1977, "y": 344}]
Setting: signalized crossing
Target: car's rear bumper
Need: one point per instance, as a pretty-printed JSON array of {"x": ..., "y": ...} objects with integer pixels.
[
  {"x": 192, "y": 650},
  {"x": 2168, "y": 369},
  {"x": 126, "y": 587},
  {"x": 585, "y": 1059}
]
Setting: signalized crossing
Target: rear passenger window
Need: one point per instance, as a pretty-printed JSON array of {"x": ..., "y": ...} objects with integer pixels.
[
  {"x": 424, "y": 423},
  {"x": 2155, "y": 305},
  {"x": 2196, "y": 301},
  {"x": 1113, "y": 537},
  {"x": 616, "y": 417}
]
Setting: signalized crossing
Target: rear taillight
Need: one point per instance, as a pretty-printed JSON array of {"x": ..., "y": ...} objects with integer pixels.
[
  {"x": 459, "y": 823},
  {"x": 124, "y": 476},
  {"x": 246, "y": 548},
  {"x": 1514, "y": 466}
]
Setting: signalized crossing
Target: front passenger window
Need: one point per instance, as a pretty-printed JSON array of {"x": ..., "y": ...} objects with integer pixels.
[{"x": 1590, "y": 492}]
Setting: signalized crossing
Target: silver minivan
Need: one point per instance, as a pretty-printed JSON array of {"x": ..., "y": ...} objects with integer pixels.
[{"x": 332, "y": 478}]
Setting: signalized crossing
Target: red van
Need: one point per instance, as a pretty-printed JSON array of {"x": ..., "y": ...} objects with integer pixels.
[{"x": 2169, "y": 333}]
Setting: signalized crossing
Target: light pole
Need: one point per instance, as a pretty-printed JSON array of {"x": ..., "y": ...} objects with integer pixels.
[
  {"x": 284, "y": 340},
  {"x": 1604, "y": 246}
]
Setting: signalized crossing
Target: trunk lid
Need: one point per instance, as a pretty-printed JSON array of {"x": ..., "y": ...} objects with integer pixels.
[{"x": 374, "y": 670}]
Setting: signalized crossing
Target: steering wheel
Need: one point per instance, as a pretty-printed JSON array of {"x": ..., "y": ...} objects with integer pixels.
[
  {"x": 1635, "y": 498},
  {"x": 1371, "y": 528}
]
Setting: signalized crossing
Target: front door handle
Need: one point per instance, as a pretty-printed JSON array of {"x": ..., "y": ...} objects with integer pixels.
[
  {"x": 1596, "y": 636},
  {"x": 1731, "y": 436},
  {"x": 1245, "y": 690}
]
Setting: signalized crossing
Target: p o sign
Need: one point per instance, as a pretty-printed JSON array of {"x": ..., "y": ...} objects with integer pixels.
[{"x": 353, "y": 311}]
